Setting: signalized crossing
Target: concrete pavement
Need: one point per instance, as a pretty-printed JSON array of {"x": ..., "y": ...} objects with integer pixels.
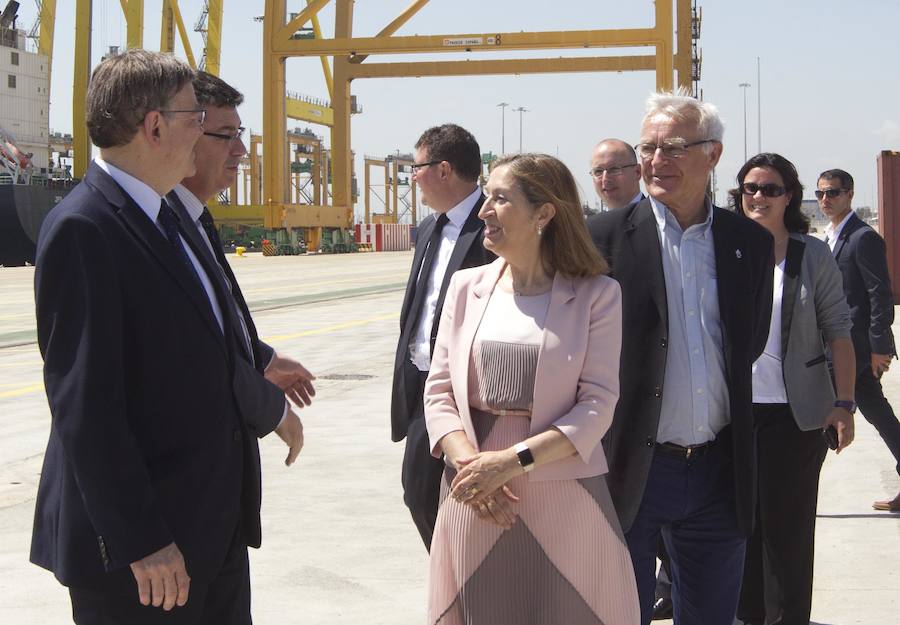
[{"x": 338, "y": 546}]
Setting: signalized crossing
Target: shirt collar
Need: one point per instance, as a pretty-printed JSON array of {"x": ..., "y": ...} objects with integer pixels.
[
  {"x": 833, "y": 232},
  {"x": 637, "y": 198},
  {"x": 459, "y": 213},
  {"x": 139, "y": 191},
  {"x": 664, "y": 217},
  {"x": 192, "y": 205}
]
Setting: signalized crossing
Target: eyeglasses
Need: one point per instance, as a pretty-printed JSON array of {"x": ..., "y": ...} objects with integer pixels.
[
  {"x": 200, "y": 112},
  {"x": 832, "y": 193},
  {"x": 415, "y": 167},
  {"x": 230, "y": 137},
  {"x": 675, "y": 149},
  {"x": 611, "y": 172},
  {"x": 770, "y": 189}
]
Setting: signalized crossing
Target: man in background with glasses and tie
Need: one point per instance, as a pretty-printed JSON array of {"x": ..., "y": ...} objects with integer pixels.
[
  {"x": 861, "y": 257},
  {"x": 696, "y": 300},
  {"x": 218, "y": 154},
  {"x": 447, "y": 169},
  {"x": 149, "y": 492}
]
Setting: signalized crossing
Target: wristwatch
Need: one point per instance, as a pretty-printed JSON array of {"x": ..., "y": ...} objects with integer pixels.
[
  {"x": 847, "y": 404},
  {"x": 526, "y": 459}
]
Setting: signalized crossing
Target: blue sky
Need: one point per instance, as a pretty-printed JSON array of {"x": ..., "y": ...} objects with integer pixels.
[{"x": 829, "y": 88}]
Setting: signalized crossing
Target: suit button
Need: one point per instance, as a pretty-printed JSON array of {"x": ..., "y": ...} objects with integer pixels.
[
  {"x": 657, "y": 391},
  {"x": 237, "y": 436},
  {"x": 649, "y": 441},
  {"x": 663, "y": 342}
]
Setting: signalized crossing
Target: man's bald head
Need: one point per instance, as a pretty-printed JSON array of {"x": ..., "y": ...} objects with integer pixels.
[{"x": 615, "y": 172}]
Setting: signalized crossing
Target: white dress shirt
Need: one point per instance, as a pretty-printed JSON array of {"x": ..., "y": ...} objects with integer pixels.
[
  {"x": 149, "y": 201},
  {"x": 420, "y": 346},
  {"x": 832, "y": 233}
]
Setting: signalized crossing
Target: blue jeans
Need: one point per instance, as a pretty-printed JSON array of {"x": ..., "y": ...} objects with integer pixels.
[{"x": 690, "y": 503}]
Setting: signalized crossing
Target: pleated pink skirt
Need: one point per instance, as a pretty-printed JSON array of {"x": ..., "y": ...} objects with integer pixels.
[{"x": 563, "y": 562}]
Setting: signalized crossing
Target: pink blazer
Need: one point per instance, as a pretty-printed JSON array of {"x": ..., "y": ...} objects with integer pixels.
[{"x": 577, "y": 379}]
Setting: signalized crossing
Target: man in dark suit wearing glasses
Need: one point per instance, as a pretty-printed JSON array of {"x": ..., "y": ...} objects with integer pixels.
[{"x": 447, "y": 169}]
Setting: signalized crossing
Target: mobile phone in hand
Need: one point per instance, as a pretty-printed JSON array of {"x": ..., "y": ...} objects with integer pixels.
[{"x": 831, "y": 437}]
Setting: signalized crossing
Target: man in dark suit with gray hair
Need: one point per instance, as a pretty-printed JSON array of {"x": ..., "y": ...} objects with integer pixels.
[
  {"x": 150, "y": 489},
  {"x": 696, "y": 298}
]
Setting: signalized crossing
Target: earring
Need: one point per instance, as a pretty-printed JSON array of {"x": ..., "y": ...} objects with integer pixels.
[{"x": 540, "y": 230}]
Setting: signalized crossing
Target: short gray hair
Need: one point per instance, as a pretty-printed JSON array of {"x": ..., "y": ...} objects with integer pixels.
[
  {"x": 125, "y": 87},
  {"x": 681, "y": 106}
]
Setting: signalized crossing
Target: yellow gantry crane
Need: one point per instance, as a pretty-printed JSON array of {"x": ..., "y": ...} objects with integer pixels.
[
  {"x": 349, "y": 55},
  {"x": 286, "y": 36}
]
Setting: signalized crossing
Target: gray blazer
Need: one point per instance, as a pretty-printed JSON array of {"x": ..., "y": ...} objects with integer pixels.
[{"x": 813, "y": 310}]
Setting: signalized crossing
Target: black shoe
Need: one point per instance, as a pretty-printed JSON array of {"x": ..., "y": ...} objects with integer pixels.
[{"x": 662, "y": 609}]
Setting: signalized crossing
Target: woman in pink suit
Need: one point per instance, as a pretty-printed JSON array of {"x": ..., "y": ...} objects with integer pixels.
[{"x": 522, "y": 387}]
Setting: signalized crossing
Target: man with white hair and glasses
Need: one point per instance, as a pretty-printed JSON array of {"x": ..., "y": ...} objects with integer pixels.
[{"x": 697, "y": 295}]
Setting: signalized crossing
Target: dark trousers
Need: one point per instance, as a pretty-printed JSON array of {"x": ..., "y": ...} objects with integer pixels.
[
  {"x": 223, "y": 601},
  {"x": 778, "y": 570},
  {"x": 876, "y": 409},
  {"x": 664, "y": 577},
  {"x": 690, "y": 503},
  {"x": 421, "y": 472}
]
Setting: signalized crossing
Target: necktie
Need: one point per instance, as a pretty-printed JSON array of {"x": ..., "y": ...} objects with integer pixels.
[
  {"x": 169, "y": 224},
  {"x": 434, "y": 242},
  {"x": 209, "y": 227}
]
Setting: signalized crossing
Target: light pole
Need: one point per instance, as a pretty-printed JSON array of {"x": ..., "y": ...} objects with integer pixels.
[
  {"x": 503, "y": 106},
  {"x": 521, "y": 110},
  {"x": 758, "y": 109},
  {"x": 744, "y": 86}
]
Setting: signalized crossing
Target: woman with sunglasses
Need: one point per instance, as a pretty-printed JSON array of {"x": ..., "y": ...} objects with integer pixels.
[{"x": 794, "y": 402}]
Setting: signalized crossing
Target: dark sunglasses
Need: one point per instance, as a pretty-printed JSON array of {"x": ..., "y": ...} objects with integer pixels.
[
  {"x": 770, "y": 189},
  {"x": 832, "y": 193}
]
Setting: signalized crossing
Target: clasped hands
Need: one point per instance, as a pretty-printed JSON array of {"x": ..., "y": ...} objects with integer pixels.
[{"x": 481, "y": 483}]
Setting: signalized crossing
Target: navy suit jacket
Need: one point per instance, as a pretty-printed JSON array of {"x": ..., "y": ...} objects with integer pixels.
[
  {"x": 469, "y": 251},
  {"x": 264, "y": 401},
  {"x": 860, "y": 255},
  {"x": 149, "y": 441},
  {"x": 629, "y": 239}
]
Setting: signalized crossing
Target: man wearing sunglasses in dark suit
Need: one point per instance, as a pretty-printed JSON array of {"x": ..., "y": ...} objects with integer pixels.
[{"x": 860, "y": 255}]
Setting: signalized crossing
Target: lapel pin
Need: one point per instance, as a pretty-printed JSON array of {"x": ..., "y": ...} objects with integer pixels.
[{"x": 737, "y": 254}]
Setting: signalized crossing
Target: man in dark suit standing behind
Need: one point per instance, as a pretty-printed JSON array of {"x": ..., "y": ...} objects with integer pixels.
[
  {"x": 860, "y": 255},
  {"x": 218, "y": 154},
  {"x": 697, "y": 295},
  {"x": 150, "y": 489},
  {"x": 446, "y": 169}
]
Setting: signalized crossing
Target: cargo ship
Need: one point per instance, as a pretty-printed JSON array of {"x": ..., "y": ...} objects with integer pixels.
[{"x": 34, "y": 175}]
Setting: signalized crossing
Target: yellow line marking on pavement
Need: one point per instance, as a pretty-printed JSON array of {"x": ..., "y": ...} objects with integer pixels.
[
  {"x": 363, "y": 281},
  {"x": 25, "y": 390},
  {"x": 332, "y": 328},
  {"x": 32, "y": 388}
]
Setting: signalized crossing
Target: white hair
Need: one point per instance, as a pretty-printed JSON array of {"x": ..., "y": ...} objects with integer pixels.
[{"x": 681, "y": 106}]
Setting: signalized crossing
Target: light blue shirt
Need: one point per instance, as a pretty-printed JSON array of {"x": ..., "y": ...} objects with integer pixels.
[
  {"x": 695, "y": 393},
  {"x": 149, "y": 200}
]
